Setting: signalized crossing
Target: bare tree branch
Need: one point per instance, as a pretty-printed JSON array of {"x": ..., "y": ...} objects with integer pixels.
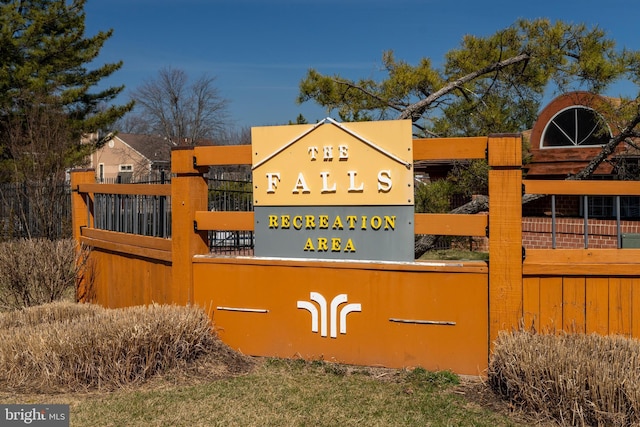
[
  {"x": 414, "y": 111},
  {"x": 180, "y": 110},
  {"x": 608, "y": 149},
  {"x": 369, "y": 94}
]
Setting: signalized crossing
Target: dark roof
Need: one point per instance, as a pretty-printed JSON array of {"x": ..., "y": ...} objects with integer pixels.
[{"x": 154, "y": 148}]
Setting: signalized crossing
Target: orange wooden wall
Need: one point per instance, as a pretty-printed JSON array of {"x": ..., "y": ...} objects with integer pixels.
[
  {"x": 582, "y": 290},
  {"x": 603, "y": 305},
  {"x": 126, "y": 269},
  {"x": 409, "y": 315},
  {"x": 122, "y": 280}
]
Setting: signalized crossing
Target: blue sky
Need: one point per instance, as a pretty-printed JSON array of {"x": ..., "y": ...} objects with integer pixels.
[{"x": 259, "y": 50}]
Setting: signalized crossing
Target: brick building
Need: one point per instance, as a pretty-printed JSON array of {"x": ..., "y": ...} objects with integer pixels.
[{"x": 569, "y": 132}]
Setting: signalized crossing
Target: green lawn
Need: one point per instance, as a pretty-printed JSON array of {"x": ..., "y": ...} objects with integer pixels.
[{"x": 293, "y": 393}]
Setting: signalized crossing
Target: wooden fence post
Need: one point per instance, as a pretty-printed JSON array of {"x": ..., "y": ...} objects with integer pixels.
[
  {"x": 505, "y": 233},
  {"x": 81, "y": 216},
  {"x": 188, "y": 195}
]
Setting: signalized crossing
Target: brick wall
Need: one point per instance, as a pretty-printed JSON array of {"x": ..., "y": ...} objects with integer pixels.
[
  {"x": 536, "y": 233},
  {"x": 565, "y": 206}
]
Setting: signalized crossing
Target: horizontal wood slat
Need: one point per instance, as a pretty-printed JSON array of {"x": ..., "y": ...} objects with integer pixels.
[
  {"x": 423, "y": 149},
  {"x": 450, "y": 148},
  {"x": 440, "y": 224},
  {"x": 580, "y": 188},
  {"x": 222, "y": 155},
  {"x": 451, "y": 224},
  {"x": 142, "y": 246},
  {"x": 593, "y": 269},
  {"x": 577, "y": 256},
  {"x": 207, "y": 220},
  {"x": 128, "y": 239},
  {"x": 444, "y": 266},
  {"x": 582, "y": 262},
  {"x": 130, "y": 189}
]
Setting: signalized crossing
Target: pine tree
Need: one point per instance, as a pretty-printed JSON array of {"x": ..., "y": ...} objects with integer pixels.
[
  {"x": 492, "y": 84},
  {"x": 48, "y": 95},
  {"x": 486, "y": 85}
]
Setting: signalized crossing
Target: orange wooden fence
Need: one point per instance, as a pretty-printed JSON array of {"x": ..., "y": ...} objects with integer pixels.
[
  {"x": 582, "y": 290},
  {"x": 437, "y": 315}
]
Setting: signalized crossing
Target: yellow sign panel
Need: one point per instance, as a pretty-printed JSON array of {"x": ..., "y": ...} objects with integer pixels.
[{"x": 331, "y": 163}]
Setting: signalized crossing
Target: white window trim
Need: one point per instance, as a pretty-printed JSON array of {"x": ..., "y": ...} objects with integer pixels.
[{"x": 550, "y": 122}]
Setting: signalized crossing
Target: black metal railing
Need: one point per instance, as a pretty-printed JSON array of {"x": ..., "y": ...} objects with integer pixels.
[
  {"x": 231, "y": 195},
  {"x": 35, "y": 210}
]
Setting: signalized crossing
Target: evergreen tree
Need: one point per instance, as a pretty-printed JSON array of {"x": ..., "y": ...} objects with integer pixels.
[
  {"x": 48, "y": 96},
  {"x": 486, "y": 85},
  {"x": 491, "y": 84}
]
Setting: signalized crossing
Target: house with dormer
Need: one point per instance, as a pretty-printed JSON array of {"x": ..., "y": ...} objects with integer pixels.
[{"x": 130, "y": 157}]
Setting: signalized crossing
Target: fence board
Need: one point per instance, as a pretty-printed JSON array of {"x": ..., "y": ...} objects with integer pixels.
[
  {"x": 635, "y": 308},
  {"x": 579, "y": 188},
  {"x": 222, "y": 155},
  {"x": 156, "y": 243},
  {"x": 241, "y": 221},
  {"x": 451, "y": 225},
  {"x": 597, "y": 310},
  {"x": 550, "y": 304},
  {"x": 531, "y": 303},
  {"x": 567, "y": 262},
  {"x": 620, "y": 306},
  {"x": 128, "y": 249},
  {"x": 573, "y": 305},
  {"x": 450, "y": 148}
]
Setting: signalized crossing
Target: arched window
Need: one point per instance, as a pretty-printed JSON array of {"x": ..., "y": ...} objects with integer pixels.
[{"x": 575, "y": 126}]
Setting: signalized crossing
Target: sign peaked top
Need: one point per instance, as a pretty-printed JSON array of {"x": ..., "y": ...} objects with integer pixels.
[{"x": 340, "y": 126}]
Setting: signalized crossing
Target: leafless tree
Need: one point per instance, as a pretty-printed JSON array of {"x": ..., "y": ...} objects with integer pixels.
[
  {"x": 235, "y": 136},
  {"x": 133, "y": 123},
  {"x": 182, "y": 111},
  {"x": 40, "y": 147}
]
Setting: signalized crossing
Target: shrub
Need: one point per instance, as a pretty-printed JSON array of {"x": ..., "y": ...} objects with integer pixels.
[
  {"x": 433, "y": 197},
  {"x": 63, "y": 311},
  {"x": 38, "y": 271},
  {"x": 71, "y": 347},
  {"x": 576, "y": 379}
]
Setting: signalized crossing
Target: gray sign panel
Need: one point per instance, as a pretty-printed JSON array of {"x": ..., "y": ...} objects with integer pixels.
[{"x": 377, "y": 233}]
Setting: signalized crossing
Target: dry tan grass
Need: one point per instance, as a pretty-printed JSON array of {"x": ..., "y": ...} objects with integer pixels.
[
  {"x": 39, "y": 271},
  {"x": 575, "y": 379},
  {"x": 75, "y": 347},
  {"x": 155, "y": 365}
]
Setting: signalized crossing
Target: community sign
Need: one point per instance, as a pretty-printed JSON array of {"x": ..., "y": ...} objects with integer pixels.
[{"x": 334, "y": 190}]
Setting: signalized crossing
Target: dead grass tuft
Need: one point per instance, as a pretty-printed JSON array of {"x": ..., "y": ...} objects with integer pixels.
[
  {"x": 575, "y": 379},
  {"x": 78, "y": 347},
  {"x": 39, "y": 271}
]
